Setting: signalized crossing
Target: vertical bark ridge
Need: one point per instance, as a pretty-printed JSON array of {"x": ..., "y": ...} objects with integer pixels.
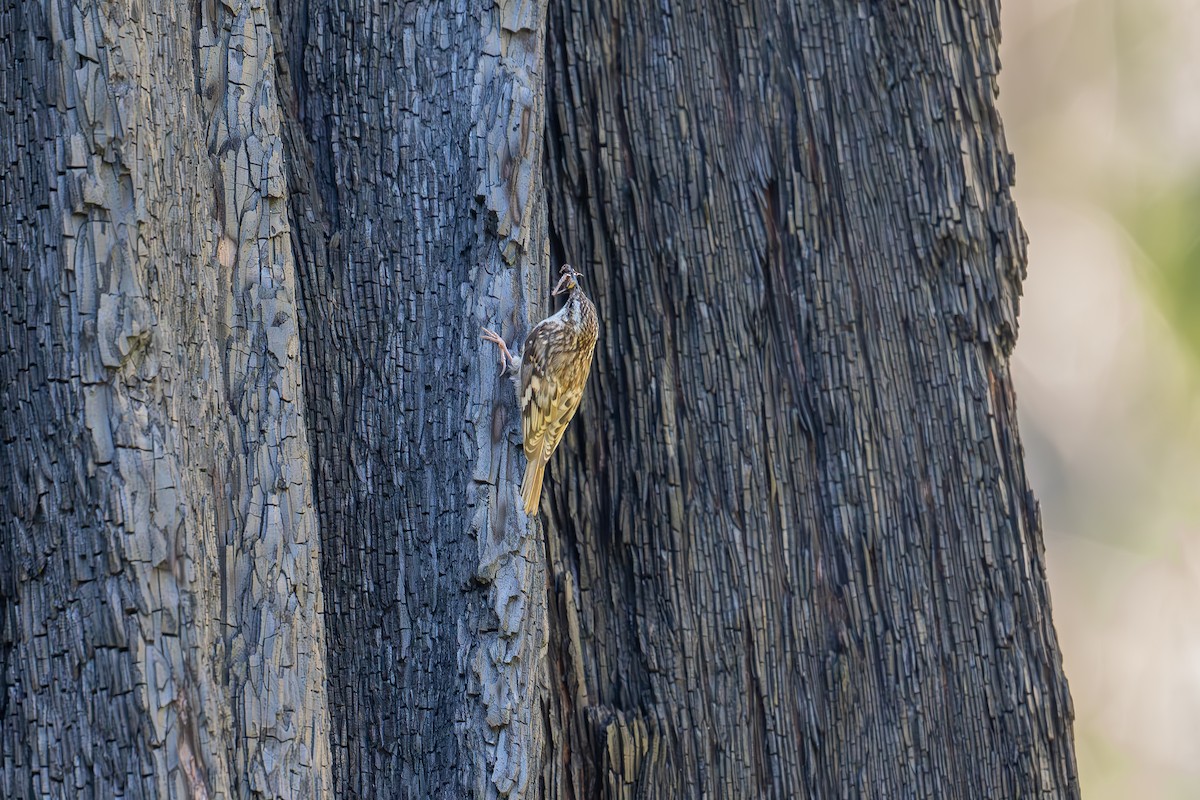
[
  {"x": 415, "y": 151},
  {"x": 163, "y": 632},
  {"x": 806, "y": 560}
]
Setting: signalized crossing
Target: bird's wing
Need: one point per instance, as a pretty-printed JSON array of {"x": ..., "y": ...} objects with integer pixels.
[{"x": 547, "y": 403}]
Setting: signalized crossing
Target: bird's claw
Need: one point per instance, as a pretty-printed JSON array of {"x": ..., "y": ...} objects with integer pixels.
[{"x": 490, "y": 335}]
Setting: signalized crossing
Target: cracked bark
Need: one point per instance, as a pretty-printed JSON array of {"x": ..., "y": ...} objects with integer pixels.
[
  {"x": 262, "y": 533},
  {"x": 416, "y": 165},
  {"x": 161, "y": 604},
  {"x": 805, "y": 559}
]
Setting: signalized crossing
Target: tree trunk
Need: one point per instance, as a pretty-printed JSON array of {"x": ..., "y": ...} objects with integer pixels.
[
  {"x": 794, "y": 553},
  {"x": 262, "y": 529},
  {"x": 415, "y": 148},
  {"x": 161, "y": 599}
]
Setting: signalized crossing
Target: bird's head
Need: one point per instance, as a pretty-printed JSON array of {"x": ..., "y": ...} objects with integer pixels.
[{"x": 568, "y": 281}]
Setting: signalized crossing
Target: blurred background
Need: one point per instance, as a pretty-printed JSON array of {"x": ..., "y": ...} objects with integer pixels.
[{"x": 1101, "y": 105}]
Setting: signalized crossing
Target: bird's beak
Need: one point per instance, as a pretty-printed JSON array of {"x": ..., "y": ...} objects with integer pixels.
[{"x": 565, "y": 283}]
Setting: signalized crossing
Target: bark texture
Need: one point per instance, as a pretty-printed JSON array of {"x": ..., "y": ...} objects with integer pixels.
[
  {"x": 161, "y": 630},
  {"x": 415, "y": 153},
  {"x": 262, "y": 534},
  {"x": 796, "y": 554}
]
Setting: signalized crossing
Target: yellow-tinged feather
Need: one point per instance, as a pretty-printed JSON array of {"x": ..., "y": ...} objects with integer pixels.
[
  {"x": 553, "y": 371},
  {"x": 531, "y": 486}
]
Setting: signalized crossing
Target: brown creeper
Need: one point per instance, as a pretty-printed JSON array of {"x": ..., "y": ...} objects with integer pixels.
[{"x": 551, "y": 375}]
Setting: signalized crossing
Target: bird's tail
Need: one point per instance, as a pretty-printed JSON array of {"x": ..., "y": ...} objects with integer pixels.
[{"x": 531, "y": 487}]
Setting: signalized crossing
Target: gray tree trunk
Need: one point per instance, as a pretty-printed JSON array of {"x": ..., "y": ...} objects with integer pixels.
[
  {"x": 261, "y": 533},
  {"x": 161, "y": 603}
]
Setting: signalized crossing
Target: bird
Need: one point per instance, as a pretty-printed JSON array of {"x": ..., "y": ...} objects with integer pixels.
[{"x": 550, "y": 376}]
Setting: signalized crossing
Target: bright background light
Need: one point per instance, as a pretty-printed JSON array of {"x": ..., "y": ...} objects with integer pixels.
[{"x": 1101, "y": 105}]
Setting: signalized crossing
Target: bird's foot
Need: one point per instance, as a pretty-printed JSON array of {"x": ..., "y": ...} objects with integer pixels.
[{"x": 506, "y": 357}]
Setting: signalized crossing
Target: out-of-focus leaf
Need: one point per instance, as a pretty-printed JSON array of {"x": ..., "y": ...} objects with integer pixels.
[{"x": 1167, "y": 229}]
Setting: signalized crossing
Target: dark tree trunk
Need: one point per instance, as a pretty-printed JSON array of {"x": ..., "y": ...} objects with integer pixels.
[
  {"x": 415, "y": 148},
  {"x": 262, "y": 535},
  {"x": 792, "y": 547}
]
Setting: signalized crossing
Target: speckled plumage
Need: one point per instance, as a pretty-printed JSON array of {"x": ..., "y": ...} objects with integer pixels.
[{"x": 551, "y": 375}]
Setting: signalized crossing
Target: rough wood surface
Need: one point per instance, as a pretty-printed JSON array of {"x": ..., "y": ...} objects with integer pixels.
[
  {"x": 261, "y": 530},
  {"x": 160, "y": 606},
  {"x": 415, "y": 153},
  {"x": 805, "y": 561}
]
